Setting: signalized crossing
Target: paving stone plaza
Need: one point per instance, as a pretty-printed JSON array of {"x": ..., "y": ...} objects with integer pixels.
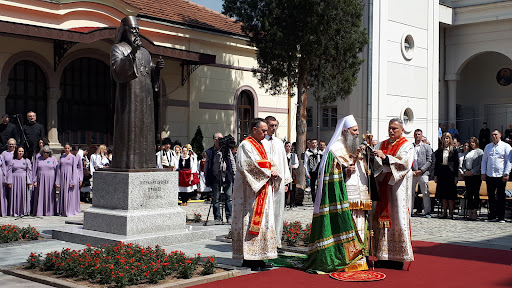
[{"x": 458, "y": 231}]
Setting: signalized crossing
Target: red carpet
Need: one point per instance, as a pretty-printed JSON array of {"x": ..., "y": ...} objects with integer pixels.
[{"x": 436, "y": 265}]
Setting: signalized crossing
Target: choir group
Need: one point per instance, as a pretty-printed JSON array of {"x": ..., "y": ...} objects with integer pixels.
[{"x": 41, "y": 186}]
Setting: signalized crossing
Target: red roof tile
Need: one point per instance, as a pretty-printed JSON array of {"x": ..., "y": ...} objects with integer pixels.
[{"x": 188, "y": 13}]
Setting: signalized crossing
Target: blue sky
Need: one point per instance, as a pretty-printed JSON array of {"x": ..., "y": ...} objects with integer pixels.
[{"x": 212, "y": 4}]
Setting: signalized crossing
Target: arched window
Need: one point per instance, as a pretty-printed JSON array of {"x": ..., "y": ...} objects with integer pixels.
[
  {"x": 27, "y": 91},
  {"x": 245, "y": 113},
  {"x": 85, "y": 108}
]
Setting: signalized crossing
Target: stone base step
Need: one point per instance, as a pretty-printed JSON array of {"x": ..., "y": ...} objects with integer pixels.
[{"x": 79, "y": 235}]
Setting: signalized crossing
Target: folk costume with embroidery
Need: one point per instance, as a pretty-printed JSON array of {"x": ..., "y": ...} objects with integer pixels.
[
  {"x": 392, "y": 215},
  {"x": 253, "y": 230},
  {"x": 188, "y": 178},
  {"x": 335, "y": 244},
  {"x": 274, "y": 148}
]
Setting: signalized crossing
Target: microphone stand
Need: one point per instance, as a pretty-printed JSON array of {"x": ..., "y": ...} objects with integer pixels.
[
  {"x": 370, "y": 214},
  {"x": 25, "y": 141}
]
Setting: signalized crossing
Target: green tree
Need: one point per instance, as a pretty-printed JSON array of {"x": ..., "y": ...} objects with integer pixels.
[
  {"x": 197, "y": 141},
  {"x": 304, "y": 44}
]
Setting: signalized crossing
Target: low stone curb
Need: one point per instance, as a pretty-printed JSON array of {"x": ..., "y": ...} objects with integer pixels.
[
  {"x": 54, "y": 282},
  {"x": 201, "y": 280},
  {"x": 40, "y": 278},
  {"x": 298, "y": 250},
  {"x": 24, "y": 242}
]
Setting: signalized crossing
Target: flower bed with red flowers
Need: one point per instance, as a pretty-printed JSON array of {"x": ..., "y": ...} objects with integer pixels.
[
  {"x": 10, "y": 233},
  {"x": 295, "y": 235},
  {"x": 197, "y": 217},
  {"x": 122, "y": 264}
]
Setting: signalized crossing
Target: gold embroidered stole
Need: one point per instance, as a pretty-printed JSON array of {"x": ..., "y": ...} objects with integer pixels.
[
  {"x": 383, "y": 211},
  {"x": 261, "y": 199}
]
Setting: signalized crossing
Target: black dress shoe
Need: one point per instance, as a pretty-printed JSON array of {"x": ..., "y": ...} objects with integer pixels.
[
  {"x": 389, "y": 264},
  {"x": 397, "y": 265},
  {"x": 257, "y": 265},
  {"x": 250, "y": 263}
]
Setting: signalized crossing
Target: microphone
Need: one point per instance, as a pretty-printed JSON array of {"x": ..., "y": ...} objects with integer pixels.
[{"x": 367, "y": 145}]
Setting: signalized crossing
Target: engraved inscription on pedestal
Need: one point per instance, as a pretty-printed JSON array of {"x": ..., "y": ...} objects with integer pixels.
[
  {"x": 128, "y": 203},
  {"x": 155, "y": 191},
  {"x": 127, "y": 191}
]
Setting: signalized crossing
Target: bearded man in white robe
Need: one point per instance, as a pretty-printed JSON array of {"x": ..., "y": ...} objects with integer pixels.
[
  {"x": 253, "y": 230},
  {"x": 391, "y": 221},
  {"x": 347, "y": 150},
  {"x": 277, "y": 156}
]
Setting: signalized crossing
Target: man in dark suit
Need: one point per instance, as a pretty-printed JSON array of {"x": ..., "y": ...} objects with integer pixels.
[
  {"x": 484, "y": 136},
  {"x": 34, "y": 132},
  {"x": 7, "y": 131}
]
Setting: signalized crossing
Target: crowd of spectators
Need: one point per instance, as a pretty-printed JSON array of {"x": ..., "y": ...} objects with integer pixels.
[
  {"x": 35, "y": 182},
  {"x": 486, "y": 158}
]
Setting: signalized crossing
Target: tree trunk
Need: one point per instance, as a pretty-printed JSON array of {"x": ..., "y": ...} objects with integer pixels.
[{"x": 301, "y": 130}]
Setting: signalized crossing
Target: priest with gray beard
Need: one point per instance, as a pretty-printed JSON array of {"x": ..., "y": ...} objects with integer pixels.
[{"x": 350, "y": 154}]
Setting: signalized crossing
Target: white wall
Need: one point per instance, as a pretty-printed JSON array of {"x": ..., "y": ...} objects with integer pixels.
[
  {"x": 474, "y": 54},
  {"x": 478, "y": 90},
  {"x": 400, "y": 83},
  {"x": 397, "y": 83}
]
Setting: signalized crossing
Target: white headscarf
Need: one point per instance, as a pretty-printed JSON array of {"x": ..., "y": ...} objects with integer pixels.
[{"x": 345, "y": 123}]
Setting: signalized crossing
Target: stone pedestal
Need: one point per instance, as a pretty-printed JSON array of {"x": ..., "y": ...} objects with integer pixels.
[{"x": 139, "y": 207}]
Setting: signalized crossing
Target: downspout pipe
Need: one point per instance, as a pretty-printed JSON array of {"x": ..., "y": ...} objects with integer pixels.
[{"x": 370, "y": 67}]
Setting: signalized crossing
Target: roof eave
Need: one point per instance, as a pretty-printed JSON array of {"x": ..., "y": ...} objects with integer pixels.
[{"x": 193, "y": 27}]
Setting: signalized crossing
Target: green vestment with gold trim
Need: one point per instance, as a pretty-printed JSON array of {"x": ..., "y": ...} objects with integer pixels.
[{"x": 334, "y": 242}]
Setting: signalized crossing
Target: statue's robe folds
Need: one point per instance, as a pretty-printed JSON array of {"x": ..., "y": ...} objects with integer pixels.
[
  {"x": 250, "y": 180},
  {"x": 134, "y": 128},
  {"x": 277, "y": 156},
  {"x": 395, "y": 180}
]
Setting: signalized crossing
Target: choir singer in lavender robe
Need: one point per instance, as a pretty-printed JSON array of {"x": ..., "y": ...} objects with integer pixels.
[
  {"x": 3, "y": 192},
  {"x": 45, "y": 166},
  {"x": 9, "y": 153},
  {"x": 67, "y": 180},
  {"x": 19, "y": 171},
  {"x": 7, "y": 157}
]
